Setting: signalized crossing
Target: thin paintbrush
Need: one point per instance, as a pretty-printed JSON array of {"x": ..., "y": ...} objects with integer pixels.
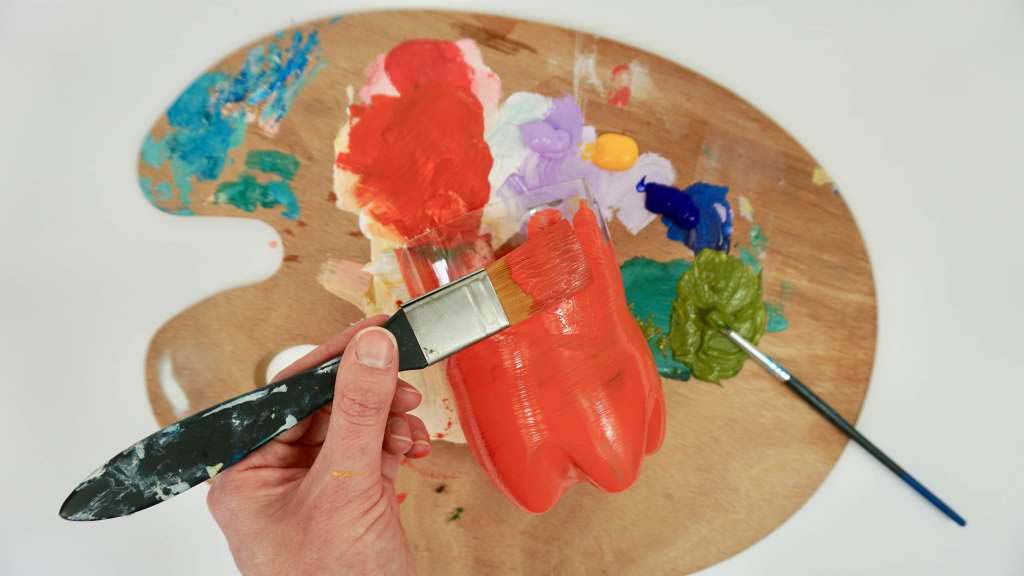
[
  {"x": 549, "y": 268},
  {"x": 838, "y": 421}
]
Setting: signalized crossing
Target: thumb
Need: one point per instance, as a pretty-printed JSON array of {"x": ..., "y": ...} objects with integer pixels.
[{"x": 363, "y": 392}]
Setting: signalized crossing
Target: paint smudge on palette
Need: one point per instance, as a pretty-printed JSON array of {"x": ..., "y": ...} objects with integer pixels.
[
  {"x": 209, "y": 118},
  {"x": 820, "y": 177},
  {"x": 650, "y": 289},
  {"x": 456, "y": 513},
  {"x": 266, "y": 183}
]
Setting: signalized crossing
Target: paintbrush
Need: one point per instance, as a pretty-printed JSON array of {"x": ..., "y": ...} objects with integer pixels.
[
  {"x": 548, "y": 268},
  {"x": 838, "y": 421}
]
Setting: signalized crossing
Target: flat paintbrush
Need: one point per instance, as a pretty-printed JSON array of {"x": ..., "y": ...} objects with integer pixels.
[
  {"x": 838, "y": 421},
  {"x": 549, "y": 268}
]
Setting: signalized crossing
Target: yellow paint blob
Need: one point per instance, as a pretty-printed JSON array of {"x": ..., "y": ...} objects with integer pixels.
[
  {"x": 343, "y": 473},
  {"x": 612, "y": 152},
  {"x": 819, "y": 176}
]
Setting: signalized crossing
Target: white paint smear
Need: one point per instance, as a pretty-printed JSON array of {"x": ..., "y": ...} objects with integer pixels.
[{"x": 171, "y": 388}]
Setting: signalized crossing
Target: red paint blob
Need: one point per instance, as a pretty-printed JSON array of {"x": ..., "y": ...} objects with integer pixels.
[
  {"x": 401, "y": 496},
  {"x": 620, "y": 97},
  {"x": 417, "y": 62},
  {"x": 569, "y": 395},
  {"x": 421, "y": 156},
  {"x": 620, "y": 92}
]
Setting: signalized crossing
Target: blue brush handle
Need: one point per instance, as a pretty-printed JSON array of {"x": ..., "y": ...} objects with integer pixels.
[{"x": 839, "y": 422}]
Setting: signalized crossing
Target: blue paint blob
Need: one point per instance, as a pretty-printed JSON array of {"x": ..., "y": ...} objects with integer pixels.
[
  {"x": 715, "y": 227},
  {"x": 698, "y": 216},
  {"x": 674, "y": 205}
]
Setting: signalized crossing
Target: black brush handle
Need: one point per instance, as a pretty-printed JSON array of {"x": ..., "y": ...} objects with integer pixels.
[
  {"x": 410, "y": 354},
  {"x": 193, "y": 450}
]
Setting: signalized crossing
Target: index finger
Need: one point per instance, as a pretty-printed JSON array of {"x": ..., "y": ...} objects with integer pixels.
[{"x": 331, "y": 348}]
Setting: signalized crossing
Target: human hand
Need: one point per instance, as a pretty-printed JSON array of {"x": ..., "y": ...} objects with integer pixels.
[{"x": 320, "y": 498}]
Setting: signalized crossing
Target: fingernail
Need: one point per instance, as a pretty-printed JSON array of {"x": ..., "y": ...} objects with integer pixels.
[
  {"x": 395, "y": 429},
  {"x": 408, "y": 389},
  {"x": 375, "y": 347}
]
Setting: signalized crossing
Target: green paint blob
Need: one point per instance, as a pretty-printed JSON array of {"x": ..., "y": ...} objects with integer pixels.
[
  {"x": 776, "y": 319},
  {"x": 650, "y": 289},
  {"x": 749, "y": 259},
  {"x": 758, "y": 241},
  {"x": 718, "y": 291},
  {"x": 272, "y": 162}
]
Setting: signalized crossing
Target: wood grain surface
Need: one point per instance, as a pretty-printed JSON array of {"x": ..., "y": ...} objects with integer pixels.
[{"x": 738, "y": 459}]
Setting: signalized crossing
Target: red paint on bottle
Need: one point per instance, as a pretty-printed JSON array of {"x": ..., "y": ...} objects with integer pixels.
[
  {"x": 569, "y": 395},
  {"x": 421, "y": 156}
]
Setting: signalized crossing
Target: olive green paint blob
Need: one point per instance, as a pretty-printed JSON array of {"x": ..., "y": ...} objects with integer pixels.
[
  {"x": 718, "y": 291},
  {"x": 650, "y": 289}
]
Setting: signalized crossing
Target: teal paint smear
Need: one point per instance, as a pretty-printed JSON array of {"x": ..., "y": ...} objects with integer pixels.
[
  {"x": 273, "y": 162},
  {"x": 209, "y": 118},
  {"x": 163, "y": 191},
  {"x": 650, "y": 289},
  {"x": 758, "y": 241},
  {"x": 147, "y": 187},
  {"x": 334, "y": 20},
  {"x": 776, "y": 319},
  {"x": 249, "y": 193},
  {"x": 749, "y": 259}
]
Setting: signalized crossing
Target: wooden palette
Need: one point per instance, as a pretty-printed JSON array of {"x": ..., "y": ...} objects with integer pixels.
[{"x": 738, "y": 459}]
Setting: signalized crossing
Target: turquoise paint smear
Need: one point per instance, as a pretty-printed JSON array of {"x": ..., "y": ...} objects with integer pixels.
[
  {"x": 162, "y": 192},
  {"x": 273, "y": 162},
  {"x": 334, "y": 20},
  {"x": 209, "y": 118},
  {"x": 749, "y": 259},
  {"x": 758, "y": 241},
  {"x": 776, "y": 319},
  {"x": 154, "y": 153},
  {"x": 249, "y": 193},
  {"x": 650, "y": 289},
  {"x": 147, "y": 187}
]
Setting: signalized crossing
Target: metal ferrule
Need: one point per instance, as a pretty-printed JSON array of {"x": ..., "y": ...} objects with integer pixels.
[
  {"x": 761, "y": 358},
  {"x": 456, "y": 315}
]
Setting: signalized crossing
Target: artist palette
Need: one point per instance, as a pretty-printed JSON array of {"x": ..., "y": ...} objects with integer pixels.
[{"x": 254, "y": 137}]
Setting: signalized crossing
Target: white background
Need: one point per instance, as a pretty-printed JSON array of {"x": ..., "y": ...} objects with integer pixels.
[{"x": 915, "y": 109}]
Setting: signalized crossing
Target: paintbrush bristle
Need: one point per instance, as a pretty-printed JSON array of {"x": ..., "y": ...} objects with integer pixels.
[{"x": 547, "y": 269}]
